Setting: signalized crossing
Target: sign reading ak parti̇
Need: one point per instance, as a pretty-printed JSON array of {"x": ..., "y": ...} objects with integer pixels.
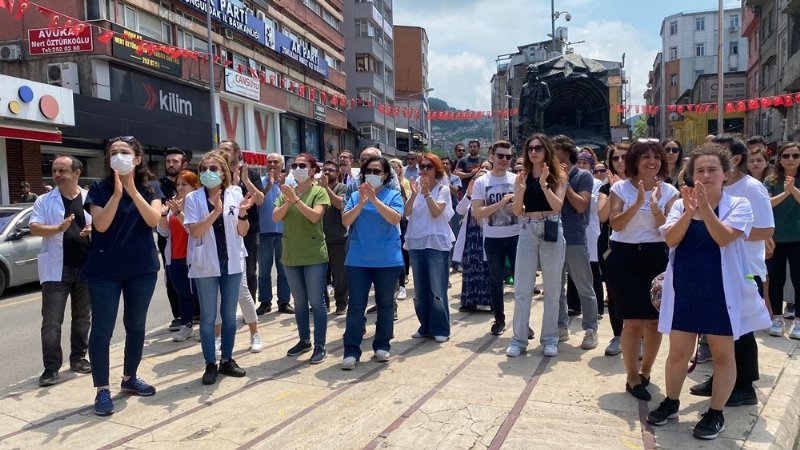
[{"x": 126, "y": 49}]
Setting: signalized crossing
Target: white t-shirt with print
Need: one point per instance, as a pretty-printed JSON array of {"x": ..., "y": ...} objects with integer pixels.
[{"x": 491, "y": 189}]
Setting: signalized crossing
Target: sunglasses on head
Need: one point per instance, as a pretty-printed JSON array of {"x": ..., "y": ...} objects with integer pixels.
[
  {"x": 790, "y": 155},
  {"x": 211, "y": 168},
  {"x": 674, "y": 150},
  {"x": 426, "y": 166},
  {"x": 507, "y": 156},
  {"x": 300, "y": 165},
  {"x": 536, "y": 148},
  {"x": 599, "y": 170},
  {"x": 369, "y": 171},
  {"x": 125, "y": 139}
]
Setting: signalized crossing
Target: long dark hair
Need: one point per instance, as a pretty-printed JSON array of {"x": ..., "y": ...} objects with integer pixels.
[
  {"x": 142, "y": 176},
  {"x": 778, "y": 172},
  {"x": 387, "y": 169},
  {"x": 550, "y": 158}
]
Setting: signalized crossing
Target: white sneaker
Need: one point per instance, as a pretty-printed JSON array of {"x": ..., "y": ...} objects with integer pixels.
[
  {"x": 513, "y": 351},
  {"x": 349, "y": 363},
  {"x": 589, "y": 340},
  {"x": 330, "y": 289},
  {"x": 183, "y": 334},
  {"x": 255, "y": 343},
  {"x": 382, "y": 355},
  {"x": 401, "y": 293},
  {"x": 563, "y": 334},
  {"x": 441, "y": 339},
  {"x": 777, "y": 327},
  {"x": 418, "y": 335},
  {"x": 614, "y": 348},
  {"x": 795, "y": 333},
  {"x": 218, "y": 345},
  {"x": 550, "y": 350}
]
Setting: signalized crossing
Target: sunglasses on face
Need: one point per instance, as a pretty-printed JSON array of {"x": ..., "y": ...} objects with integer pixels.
[
  {"x": 617, "y": 158},
  {"x": 211, "y": 168},
  {"x": 125, "y": 139},
  {"x": 790, "y": 156},
  {"x": 426, "y": 166},
  {"x": 300, "y": 165},
  {"x": 507, "y": 156},
  {"x": 599, "y": 171},
  {"x": 674, "y": 150},
  {"x": 536, "y": 148},
  {"x": 369, "y": 171}
]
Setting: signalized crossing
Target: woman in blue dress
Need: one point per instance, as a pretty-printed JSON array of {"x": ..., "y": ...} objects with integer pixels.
[{"x": 701, "y": 295}]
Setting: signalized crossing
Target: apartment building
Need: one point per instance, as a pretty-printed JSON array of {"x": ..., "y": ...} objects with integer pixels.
[{"x": 411, "y": 87}]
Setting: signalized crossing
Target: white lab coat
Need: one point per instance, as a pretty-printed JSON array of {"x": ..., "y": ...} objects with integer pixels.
[
  {"x": 202, "y": 252},
  {"x": 746, "y": 309},
  {"x": 49, "y": 210}
]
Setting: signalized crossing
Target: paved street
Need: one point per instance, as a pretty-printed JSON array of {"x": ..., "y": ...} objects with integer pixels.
[{"x": 462, "y": 394}]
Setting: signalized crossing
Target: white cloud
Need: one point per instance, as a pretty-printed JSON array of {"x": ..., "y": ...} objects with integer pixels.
[{"x": 461, "y": 79}]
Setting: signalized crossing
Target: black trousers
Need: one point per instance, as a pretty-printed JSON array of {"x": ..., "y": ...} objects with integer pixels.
[
  {"x": 497, "y": 251},
  {"x": 251, "y": 262},
  {"x": 336, "y": 255},
  {"x": 172, "y": 296},
  {"x": 54, "y": 303}
]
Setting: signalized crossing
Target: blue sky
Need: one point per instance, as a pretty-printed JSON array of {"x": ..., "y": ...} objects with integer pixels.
[{"x": 467, "y": 35}]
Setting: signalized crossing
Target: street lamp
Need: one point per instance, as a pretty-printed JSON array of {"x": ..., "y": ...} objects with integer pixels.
[
  {"x": 554, "y": 15},
  {"x": 423, "y": 116}
]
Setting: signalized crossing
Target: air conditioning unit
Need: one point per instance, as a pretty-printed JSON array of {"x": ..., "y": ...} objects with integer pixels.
[
  {"x": 228, "y": 34},
  {"x": 65, "y": 75},
  {"x": 10, "y": 52}
]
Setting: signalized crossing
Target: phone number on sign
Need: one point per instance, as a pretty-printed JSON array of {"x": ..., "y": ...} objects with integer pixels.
[{"x": 62, "y": 49}]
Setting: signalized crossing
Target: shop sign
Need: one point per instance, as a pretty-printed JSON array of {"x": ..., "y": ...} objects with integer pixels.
[
  {"x": 298, "y": 52},
  {"x": 47, "y": 41},
  {"x": 35, "y": 102},
  {"x": 319, "y": 112},
  {"x": 241, "y": 84},
  {"x": 234, "y": 15},
  {"x": 126, "y": 49},
  {"x": 138, "y": 89}
]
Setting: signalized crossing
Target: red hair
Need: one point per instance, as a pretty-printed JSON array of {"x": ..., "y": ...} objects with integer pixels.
[{"x": 189, "y": 177}]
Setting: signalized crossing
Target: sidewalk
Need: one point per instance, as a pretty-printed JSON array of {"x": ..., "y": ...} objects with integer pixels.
[{"x": 461, "y": 394}]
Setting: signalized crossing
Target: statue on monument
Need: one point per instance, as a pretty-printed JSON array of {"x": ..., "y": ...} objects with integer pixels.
[{"x": 533, "y": 100}]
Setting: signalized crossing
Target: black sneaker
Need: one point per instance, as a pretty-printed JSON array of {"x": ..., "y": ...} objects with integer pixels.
[
  {"x": 231, "y": 369},
  {"x": 372, "y": 309},
  {"x": 668, "y": 409},
  {"x": 498, "y": 326},
  {"x": 531, "y": 334},
  {"x": 341, "y": 310},
  {"x": 702, "y": 389},
  {"x": 286, "y": 309},
  {"x": 467, "y": 308},
  {"x": 740, "y": 397},
  {"x": 210, "y": 375},
  {"x": 710, "y": 426},
  {"x": 81, "y": 366},
  {"x": 299, "y": 348},
  {"x": 48, "y": 378},
  {"x": 175, "y": 325},
  {"x": 319, "y": 354},
  {"x": 263, "y": 309},
  {"x": 638, "y": 391}
]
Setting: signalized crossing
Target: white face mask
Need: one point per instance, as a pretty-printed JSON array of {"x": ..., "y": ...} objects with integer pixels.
[
  {"x": 300, "y": 174},
  {"x": 375, "y": 180},
  {"x": 122, "y": 163}
]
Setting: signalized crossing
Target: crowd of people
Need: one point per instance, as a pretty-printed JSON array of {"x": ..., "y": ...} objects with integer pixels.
[{"x": 675, "y": 244}]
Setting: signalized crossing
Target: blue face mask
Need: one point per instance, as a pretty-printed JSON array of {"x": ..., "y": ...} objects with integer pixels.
[
  {"x": 375, "y": 180},
  {"x": 210, "y": 179}
]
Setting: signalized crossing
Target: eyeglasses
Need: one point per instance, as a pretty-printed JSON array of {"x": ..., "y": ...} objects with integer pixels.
[
  {"x": 674, "y": 150},
  {"x": 369, "y": 171},
  {"x": 507, "y": 156},
  {"x": 300, "y": 165},
  {"x": 536, "y": 148},
  {"x": 790, "y": 156},
  {"x": 426, "y": 166},
  {"x": 211, "y": 168},
  {"x": 599, "y": 170},
  {"x": 617, "y": 158},
  {"x": 125, "y": 139}
]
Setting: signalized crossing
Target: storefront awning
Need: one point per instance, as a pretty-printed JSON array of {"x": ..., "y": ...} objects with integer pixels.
[{"x": 38, "y": 133}]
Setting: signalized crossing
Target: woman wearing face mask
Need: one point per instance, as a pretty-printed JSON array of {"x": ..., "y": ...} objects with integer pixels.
[
  {"x": 305, "y": 255},
  {"x": 216, "y": 217},
  {"x": 615, "y": 161},
  {"x": 429, "y": 239},
  {"x": 171, "y": 227},
  {"x": 373, "y": 258},
  {"x": 122, "y": 259}
]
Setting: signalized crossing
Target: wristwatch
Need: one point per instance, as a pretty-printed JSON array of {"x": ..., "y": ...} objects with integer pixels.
[{"x": 242, "y": 217}]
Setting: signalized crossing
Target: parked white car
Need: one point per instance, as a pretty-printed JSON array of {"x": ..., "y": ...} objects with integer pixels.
[{"x": 19, "y": 251}]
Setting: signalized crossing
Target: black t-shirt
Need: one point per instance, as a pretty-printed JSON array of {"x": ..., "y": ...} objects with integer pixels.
[
  {"x": 219, "y": 231},
  {"x": 168, "y": 188},
  {"x": 605, "y": 227},
  {"x": 466, "y": 164},
  {"x": 75, "y": 246},
  {"x": 252, "y": 213}
]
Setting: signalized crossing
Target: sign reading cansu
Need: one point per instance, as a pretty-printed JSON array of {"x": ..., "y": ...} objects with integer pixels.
[
  {"x": 238, "y": 83},
  {"x": 46, "y": 41}
]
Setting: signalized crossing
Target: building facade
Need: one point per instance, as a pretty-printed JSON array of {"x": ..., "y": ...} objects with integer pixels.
[
  {"x": 272, "y": 62},
  {"x": 369, "y": 63},
  {"x": 411, "y": 87}
]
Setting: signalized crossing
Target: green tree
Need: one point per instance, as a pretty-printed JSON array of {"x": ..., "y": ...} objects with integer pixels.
[{"x": 640, "y": 128}]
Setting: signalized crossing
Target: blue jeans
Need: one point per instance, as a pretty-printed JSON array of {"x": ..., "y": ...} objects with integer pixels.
[
  {"x": 359, "y": 280},
  {"x": 228, "y": 287},
  {"x": 308, "y": 286},
  {"x": 270, "y": 250},
  {"x": 179, "y": 275},
  {"x": 104, "y": 295},
  {"x": 430, "y": 289}
]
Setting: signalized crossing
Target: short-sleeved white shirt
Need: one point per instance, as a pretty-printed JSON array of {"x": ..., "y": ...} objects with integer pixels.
[
  {"x": 491, "y": 189},
  {"x": 642, "y": 227},
  {"x": 754, "y": 191}
]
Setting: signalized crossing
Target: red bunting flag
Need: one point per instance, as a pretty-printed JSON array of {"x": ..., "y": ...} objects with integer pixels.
[
  {"x": 777, "y": 101},
  {"x": 729, "y": 107},
  {"x": 787, "y": 100},
  {"x": 752, "y": 104},
  {"x": 106, "y": 37}
]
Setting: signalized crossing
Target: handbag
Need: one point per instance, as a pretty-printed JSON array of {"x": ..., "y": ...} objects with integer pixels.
[{"x": 656, "y": 289}]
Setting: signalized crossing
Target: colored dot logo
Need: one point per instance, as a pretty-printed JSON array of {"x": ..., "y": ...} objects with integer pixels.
[
  {"x": 25, "y": 94},
  {"x": 14, "y": 107},
  {"x": 48, "y": 105}
]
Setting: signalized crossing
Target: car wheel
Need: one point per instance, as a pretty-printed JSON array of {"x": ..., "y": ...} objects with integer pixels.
[{"x": 2, "y": 282}]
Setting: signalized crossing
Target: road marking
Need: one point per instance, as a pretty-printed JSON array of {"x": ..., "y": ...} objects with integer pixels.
[{"x": 21, "y": 302}]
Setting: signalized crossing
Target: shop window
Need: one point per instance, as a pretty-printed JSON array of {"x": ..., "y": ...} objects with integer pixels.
[
  {"x": 312, "y": 139},
  {"x": 290, "y": 136}
]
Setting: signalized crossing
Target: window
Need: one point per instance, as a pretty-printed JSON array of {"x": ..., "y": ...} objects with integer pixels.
[
  {"x": 700, "y": 49},
  {"x": 673, "y": 79},
  {"x": 697, "y": 73},
  {"x": 673, "y": 28},
  {"x": 314, "y": 6},
  {"x": 364, "y": 29},
  {"x": 370, "y": 131},
  {"x": 700, "y": 24},
  {"x": 332, "y": 21},
  {"x": 735, "y": 21},
  {"x": 191, "y": 42},
  {"x": 365, "y": 63},
  {"x": 673, "y": 53},
  {"x": 333, "y": 62},
  {"x": 733, "y": 48}
]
